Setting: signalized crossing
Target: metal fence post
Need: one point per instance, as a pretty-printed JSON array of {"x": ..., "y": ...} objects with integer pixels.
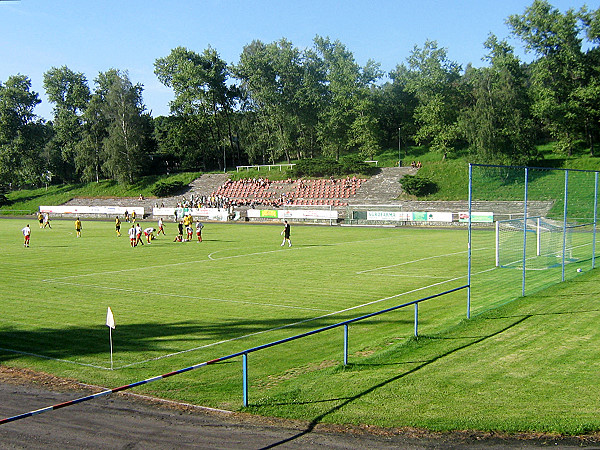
[
  {"x": 416, "y": 320},
  {"x": 346, "y": 344},
  {"x": 245, "y": 377}
]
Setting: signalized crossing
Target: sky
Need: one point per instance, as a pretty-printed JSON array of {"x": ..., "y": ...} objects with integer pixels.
[{"x": 94, "y": 36}]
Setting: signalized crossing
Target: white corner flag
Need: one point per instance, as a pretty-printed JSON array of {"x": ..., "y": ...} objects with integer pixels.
[
  {"x": 110, "y": 320},
  {"x": 110, "y": 323}
]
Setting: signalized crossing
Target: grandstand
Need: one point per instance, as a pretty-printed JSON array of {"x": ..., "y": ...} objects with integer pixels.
[{"x": 300, "y": 192}]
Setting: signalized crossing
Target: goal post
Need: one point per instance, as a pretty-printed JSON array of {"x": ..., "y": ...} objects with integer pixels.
[{"x": 545, "y": 243}]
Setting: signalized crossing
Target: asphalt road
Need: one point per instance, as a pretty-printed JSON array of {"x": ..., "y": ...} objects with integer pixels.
[{"x": 126, "y": 421}]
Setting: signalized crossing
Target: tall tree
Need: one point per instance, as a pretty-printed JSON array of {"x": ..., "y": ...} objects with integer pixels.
[
  {"x": 564, "y": 78},
  {"x": 70, "y": 94},
  {"x": 122, "y": 105},
  {"x": 496, "y": 121},
  {"x": 202, "y": 96},
  {"x": 22, "y": 134},
  {"x": 434, "y": 80},
  {"x": 347, "y": 121}
]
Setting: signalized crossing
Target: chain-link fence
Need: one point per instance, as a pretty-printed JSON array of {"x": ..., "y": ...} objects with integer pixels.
[{"x": 545, "y": 230}]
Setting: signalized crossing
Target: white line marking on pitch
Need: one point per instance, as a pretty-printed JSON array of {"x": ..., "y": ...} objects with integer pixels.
[
  {"x": 54, "y": 359},
  {"x": 416, "y": 260},
  {"x": 137, "y": 291},
  {"x": 210, "y": 258},
  {"x": 300, "y": 322}
]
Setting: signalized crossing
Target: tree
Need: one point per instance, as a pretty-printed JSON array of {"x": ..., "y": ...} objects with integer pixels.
[
  {"x": 122, "y": 106},
  {"x": 70, "y": 93},
  {"x": 272, "y": 77},
  {"x": 347, "y": 120},
  {"x": 564, "y": 78},
  {"x": 21, "y": 133},
  {"x": 434, "y": 81},
  {"x": 496, "y": 122},
  {"x": 202, "y": 97}
]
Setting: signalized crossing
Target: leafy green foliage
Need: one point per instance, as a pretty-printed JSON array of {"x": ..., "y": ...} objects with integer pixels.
[
  {"x": 167, "y": 188},
  {"x": 417, "y": 185}
]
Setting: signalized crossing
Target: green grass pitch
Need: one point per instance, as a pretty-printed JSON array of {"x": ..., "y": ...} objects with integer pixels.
[
  {"x": 176, "y": 304},
  {"x": 179, "y": 304}
]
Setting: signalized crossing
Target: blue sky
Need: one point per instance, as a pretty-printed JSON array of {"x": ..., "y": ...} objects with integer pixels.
[{"x": 94, "y": 36}]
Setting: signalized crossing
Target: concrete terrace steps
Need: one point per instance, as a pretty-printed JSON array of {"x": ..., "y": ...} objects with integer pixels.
[{"x": 381, "y": 189}]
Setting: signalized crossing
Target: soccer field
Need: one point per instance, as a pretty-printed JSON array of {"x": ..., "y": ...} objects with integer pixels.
[{"x": 179, "y": 304}]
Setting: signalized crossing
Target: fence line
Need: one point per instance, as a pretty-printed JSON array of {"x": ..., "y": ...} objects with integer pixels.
[{"x": 244, "y": 354}]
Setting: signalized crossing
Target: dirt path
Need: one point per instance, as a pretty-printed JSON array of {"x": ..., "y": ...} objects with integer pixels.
[{"x": 129, "y": 421}]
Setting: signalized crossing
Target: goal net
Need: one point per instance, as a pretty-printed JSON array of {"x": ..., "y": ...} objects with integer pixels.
[{"x": 544, "y": 242}]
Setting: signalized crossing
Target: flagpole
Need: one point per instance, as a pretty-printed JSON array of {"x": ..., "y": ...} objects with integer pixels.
[{"x": 111, "y": 348}]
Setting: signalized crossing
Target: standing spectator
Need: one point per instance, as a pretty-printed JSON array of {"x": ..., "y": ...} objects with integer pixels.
[
  {"x": 26, "y": 234},
  {"x": 78, "y": 228},
  {"x": 286, "y": 234}
]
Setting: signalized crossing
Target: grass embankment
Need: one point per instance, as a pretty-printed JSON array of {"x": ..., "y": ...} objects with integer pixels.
[{"x": 27, "y": 201}]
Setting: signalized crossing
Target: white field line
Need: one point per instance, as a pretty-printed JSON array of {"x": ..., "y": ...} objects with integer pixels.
[
  {"x": 192, "y": 297},
  {"x": 53, "y": 359},
  {"x": 56, "y": 280},
  {"x": 417, "y": 260},
  {"x": 210, "y": 258},
  {"x": 302, "y": 321},
  {"x": 256, "y": 333}
]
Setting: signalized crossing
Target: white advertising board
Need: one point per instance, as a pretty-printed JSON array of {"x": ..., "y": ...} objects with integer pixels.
[
  {"x": 108, "y": 210},
  {"x": 292, "y": 214},
  {"x": 209, "y": 213}
]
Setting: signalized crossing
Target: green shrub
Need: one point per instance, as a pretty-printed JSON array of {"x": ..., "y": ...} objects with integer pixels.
[
  {"x": 416, "y": 185},
  {"x": 167, "y": 188}
]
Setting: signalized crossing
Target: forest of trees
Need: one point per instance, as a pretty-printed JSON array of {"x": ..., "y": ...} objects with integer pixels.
[{"x": 283, "y": 103}]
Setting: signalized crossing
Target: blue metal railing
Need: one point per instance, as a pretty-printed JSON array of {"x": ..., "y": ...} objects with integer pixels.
[
  {"x": 243, "y": 354},
  {"x": 345, "y": 324}
]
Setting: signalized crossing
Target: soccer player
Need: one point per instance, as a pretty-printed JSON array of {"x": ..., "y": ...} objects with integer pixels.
[
  {"x": 138, "y": 234},
  {"x": 40, "y": 217},
  {"x": 118, "y": 226},
  {"x": 78, "y": 227},
  {"x": 26, "y": 234},
  {"x": 286, "y": 234},
  {"x": 190, "y": 231},
  {"x": 160, "y": 227},
  {"x": 47, "y": 220},
  {"x": 149, "y": 233},
  {"x": 199, "y": 227},
  {"x": 132, "y": 235}
]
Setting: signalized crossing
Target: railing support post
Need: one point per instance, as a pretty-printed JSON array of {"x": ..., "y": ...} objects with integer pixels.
[
  {"x": 245, "y": 377},
  {"x": 346, "y": 344},
  {"x": 416, "y": 320}
]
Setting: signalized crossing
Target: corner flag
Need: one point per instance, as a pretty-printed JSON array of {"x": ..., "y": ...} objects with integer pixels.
[{"x": 110, "y": 320}]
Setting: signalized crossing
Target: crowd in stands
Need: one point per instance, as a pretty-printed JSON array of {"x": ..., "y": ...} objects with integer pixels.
[{"x": 256, "y": 192}]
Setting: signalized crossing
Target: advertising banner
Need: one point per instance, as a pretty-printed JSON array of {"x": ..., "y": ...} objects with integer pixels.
[
  {"x": 406, "y": 216},
  {"x": 485, "y": 217},
  {"x": 292, "y": 214},
  {"x": 108, "y": 210}
]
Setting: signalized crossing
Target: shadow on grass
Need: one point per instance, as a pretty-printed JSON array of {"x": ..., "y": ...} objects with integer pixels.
[
  {"x": 69, "y": 343},
  {"x": 424, "y": 364}
]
